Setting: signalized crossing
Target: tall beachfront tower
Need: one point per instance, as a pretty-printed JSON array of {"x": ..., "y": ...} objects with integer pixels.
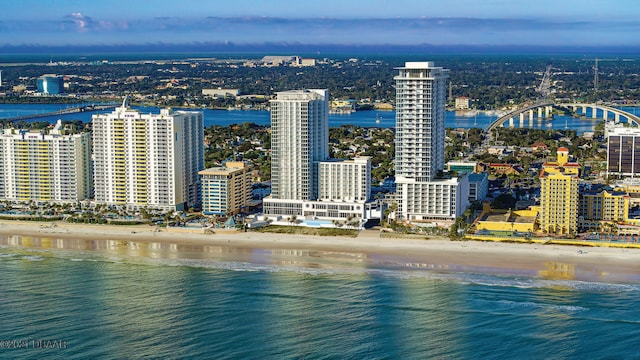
[
  {"x": 422, "y": 193},
  {"x": 420, "y": 112},
  {"x": 299, "y": 140},
  {"x": 148, "y": 160},
  {"x": 52, "y": 167},
  {"x": 304, "y": 181},
  {"x": 559, "y": 195}
]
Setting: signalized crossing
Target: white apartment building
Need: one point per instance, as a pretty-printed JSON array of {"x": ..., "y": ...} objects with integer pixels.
[
  {"x": 434, "y": 201},
  {"x": 345, "y": 180},
  {"x": 304, "y": 181},
  {"x": 299, "y": 140},
  {"x": 148, "y": 160},
  {"x": 422, "y": 194},
  {"x": 41, "y": 167}
]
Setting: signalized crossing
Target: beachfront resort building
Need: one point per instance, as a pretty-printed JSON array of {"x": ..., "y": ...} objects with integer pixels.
[
  {"x": 148, "y": 160},
  {"x": 423, "y": 192},
  {"x": 345, "y": 180},
  {"x": 226, "y": 190},
  {"x": 304, "y": 182},
  {"x": 599, "y": 207},
  {"x": 45, "y": 167},
  {"x": 299, "y": 140},
  {"x": 559, "y": 195},
  {"x": 623, "y": 151}
]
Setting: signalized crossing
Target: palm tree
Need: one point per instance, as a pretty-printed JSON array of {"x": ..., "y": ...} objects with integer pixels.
[{"x": 467, "y": 214}]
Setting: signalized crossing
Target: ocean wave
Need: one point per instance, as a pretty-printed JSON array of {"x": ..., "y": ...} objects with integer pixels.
[
  {"x": 307, "y": 267},
  {"x": 534, "y": 305},
  {"x": 241, "y": 266},
  {"x": 534, "y": 282},
  {"x": 83, "y": 259}
]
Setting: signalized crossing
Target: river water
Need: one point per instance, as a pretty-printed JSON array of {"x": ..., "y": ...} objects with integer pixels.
[{"x": 371, "y": 118}]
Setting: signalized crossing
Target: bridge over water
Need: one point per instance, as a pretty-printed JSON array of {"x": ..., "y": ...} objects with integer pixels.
[
  {"x": 70, "y": 110},
  {"x": 543, "y": 111}
]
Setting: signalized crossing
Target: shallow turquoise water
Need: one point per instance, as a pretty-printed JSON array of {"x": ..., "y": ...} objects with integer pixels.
[{"x": 260, "y": 305}]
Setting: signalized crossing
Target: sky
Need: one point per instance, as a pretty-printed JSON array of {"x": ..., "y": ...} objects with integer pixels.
[{"x": 342, "y": 22}]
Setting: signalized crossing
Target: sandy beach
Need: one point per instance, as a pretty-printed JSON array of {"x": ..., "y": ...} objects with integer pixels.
[{"x": 551, "y": 261}]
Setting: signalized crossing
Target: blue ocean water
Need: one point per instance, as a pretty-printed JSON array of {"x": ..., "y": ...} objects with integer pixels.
[
  {"x": 231, "y": 303},
  {"x": 371, "y": 118}
]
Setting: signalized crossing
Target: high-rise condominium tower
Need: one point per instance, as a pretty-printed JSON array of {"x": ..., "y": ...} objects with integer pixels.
[
  {"x": 420, "y": 112},
  {"x": 148, "y": 160},
  {"x": 299, "y": 140},
  {"x": 53, "y": 167},
  {"x": 304, "y": 181}
]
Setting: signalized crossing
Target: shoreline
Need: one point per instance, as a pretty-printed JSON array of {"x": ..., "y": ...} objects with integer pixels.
[{"x": 367, "y": 250}]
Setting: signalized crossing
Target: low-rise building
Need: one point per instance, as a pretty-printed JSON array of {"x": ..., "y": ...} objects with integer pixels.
[
  {"x": 501, "y": 168},
  {"x": 506, "y": 222},
  {"x": 306, "y": 62},
  {"x": 478, "y": 186},
  {"x": 463, "y": 103},
  {"x": 221, "y": 92},
  {"x": 463, "y": 167}
]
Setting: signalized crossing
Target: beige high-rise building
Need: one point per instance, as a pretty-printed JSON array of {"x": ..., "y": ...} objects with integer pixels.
[
  {"x": 148, "y": 160},
  {"x": 600, "y": 206},
  {"x": 226, "y": 190},
  {"x": 53, "y": 167},
  {"x": 559, "y": 195}
]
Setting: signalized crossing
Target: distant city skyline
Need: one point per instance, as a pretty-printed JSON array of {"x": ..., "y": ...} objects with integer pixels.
[{"x": 373, "y": 22}]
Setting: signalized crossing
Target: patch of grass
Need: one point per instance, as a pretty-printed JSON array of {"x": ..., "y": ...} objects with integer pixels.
[{"x": 280, "y": 229}]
